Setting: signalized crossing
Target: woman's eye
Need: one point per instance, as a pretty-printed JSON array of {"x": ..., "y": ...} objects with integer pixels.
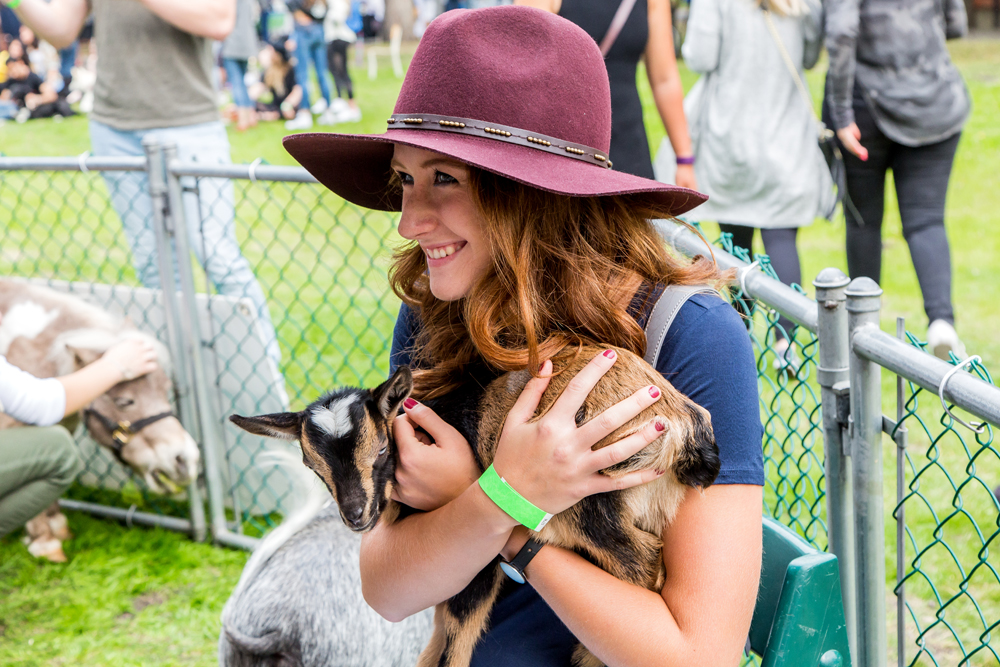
[
  {"x": 441, "y": 177},
  {"x": 405, "y": 178},
  {"x": 122, "y": 403}
]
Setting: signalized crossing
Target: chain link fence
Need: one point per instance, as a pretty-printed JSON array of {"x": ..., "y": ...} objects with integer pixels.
[{"x": 288, "y": 297}]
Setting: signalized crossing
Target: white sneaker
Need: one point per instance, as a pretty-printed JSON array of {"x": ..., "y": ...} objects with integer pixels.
[
  {"x": 328, "y": 117},
  {"x": 23, "y": 114},
  {"x": 319, "y": 106},
  {"x": 303, "y": 121},
  {"x": 349, "y": 115},
  {"x": 338, "y": 104},
  {"x": 942, "y": 339},
  {"x": 785, "y": 358}
]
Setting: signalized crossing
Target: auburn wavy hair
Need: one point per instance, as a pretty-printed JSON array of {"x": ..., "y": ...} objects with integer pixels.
[{"x": 564, "y": 272}]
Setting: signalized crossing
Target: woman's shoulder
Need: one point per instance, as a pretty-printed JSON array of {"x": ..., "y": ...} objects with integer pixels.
[{"x": 707, "y": 333}]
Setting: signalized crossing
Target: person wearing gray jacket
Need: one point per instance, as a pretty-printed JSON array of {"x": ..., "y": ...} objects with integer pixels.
[
  {"x": 753, "y": 131},
  {"x": 897, "y": 102}
]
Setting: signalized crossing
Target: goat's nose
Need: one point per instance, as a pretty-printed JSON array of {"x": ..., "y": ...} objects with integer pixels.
[
  {"x": 182, "y": 467},
  {"x": 354, "y": 515}
]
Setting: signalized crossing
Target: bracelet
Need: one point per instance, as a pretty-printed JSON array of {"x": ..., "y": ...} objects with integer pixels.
[
  {"x": 510, "y": 501},
  {"x": 13, "y": 4},
  {"x": 685, "y": 160}
]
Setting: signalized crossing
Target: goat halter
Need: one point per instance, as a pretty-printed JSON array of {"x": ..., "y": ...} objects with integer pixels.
[{"x": 123, "y": 431}]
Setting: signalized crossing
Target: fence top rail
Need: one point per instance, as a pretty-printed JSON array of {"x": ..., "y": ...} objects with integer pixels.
[
  {"x": 84, "y": 163},
  {"x": 250, "y": 172},
  {"x": 964, "y": 389},
  {"x": 790, "y": 303}
]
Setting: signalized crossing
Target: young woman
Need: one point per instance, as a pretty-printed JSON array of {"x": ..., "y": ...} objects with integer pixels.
[
  {"x": 897, "y": 102},
  {"x": 524, "y": 241},
  {"x": 754, "y": 133}
]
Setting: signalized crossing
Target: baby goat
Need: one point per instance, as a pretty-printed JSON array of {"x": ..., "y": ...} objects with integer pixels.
[{"x": 346, "y": 439}]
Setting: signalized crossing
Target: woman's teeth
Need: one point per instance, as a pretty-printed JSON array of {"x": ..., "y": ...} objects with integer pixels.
[{"x": 439, "y": 253}]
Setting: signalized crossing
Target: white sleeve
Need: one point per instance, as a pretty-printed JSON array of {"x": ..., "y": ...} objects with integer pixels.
[{"x": 28, "y": 399}]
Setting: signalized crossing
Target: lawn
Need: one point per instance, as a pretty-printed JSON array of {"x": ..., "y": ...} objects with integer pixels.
[{"x": 150, "y": 597}]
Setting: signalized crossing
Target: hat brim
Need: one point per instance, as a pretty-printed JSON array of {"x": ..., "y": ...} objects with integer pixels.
[{"x": 356, "y": 167}]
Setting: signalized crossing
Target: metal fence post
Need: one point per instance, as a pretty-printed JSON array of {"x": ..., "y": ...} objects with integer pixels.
[
  {"x": 863, "y": 305},
  {"x": 210, "y": 421},
  {"x": 832, "y": 374},
  {"x": 163, "y": 231}
]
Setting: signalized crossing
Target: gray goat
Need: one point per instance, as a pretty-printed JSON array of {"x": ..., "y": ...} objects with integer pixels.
[{"x": 298, "y": 602}]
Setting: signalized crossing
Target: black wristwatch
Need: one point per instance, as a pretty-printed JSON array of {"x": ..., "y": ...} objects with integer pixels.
[{"x": 515, "y": 568}]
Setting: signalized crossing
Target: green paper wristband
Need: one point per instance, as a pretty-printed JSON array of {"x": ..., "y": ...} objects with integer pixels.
[
  {"x": 510, "y": 501},
  {"x": 13, "y": 4}
]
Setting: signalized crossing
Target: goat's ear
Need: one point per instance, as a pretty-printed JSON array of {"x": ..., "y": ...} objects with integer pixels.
[
  {"x": 390, "y": 394},
  {"x": 83, "y": 355},
  {"x": 281, "y": 425}
]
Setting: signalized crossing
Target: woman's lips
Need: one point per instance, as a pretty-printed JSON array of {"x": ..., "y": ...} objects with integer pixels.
[{"x": 442, "y": 254}]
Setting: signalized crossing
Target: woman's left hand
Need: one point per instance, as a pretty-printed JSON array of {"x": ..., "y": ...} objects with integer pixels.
[
  {"x": 430, "y": 472},
  {"x": 685, "y": 177}
]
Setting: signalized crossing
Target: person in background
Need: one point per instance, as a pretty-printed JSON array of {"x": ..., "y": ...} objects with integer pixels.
[
  {"x": 33, "y": 96},
  {"x": 646, "y": 34},
  {"x": 39, "y": 461},
  {"x": 339, "y": 36},
  {"x": 238, "y": 48},
  {"x": 310, "y": 47},
  {"x": 754, "y": 132},
  {"x": 154, "y": 82},
  {"x": 279, "y": 80},
  {"x": 898, "y": 103}
]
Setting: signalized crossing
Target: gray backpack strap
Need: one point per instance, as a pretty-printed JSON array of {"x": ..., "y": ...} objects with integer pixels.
[{"x": 663, "y": 314}]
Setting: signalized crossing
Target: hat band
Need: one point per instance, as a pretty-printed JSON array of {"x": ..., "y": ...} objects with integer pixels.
[{"x": 506, "y": 133}]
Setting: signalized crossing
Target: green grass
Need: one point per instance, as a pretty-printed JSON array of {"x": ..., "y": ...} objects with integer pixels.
[{"x": 300, "y": 242}]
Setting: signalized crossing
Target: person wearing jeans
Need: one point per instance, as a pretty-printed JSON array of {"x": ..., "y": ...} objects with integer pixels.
[
  {"x": 154, "y": 81},
  {"x": 310, "y": 46},
  {"x": 239, "y": 47},
  {"x": 897, "y": 102}
]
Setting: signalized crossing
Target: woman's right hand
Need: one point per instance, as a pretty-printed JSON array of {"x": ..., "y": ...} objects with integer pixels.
[
  {"x": 550, "y": 462},
  {"x": 433, "y": 465},
  {"x": 132, "y": 358}
]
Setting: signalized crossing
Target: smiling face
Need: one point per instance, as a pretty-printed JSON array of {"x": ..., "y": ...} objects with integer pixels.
[{"x": 439, "y": 214}]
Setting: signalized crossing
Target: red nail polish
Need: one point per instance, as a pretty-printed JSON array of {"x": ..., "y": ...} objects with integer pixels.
[
  {"x": 409, "y": 403},
  {"x": 654, "y": 392},
  {"x": 610, "y": 354},
  {"x": 660, "y": 426}
]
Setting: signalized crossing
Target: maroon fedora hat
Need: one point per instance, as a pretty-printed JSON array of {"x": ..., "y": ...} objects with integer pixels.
[{"x": 513, "y": 90}]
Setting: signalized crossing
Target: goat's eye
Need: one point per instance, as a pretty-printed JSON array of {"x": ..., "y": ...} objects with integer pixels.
[
  {"x": 122, "y": 403},
  {"x": 382, "y": 451}
]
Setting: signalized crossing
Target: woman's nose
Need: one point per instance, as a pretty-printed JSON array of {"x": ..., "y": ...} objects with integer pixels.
[{"x": 417, "y": 217}]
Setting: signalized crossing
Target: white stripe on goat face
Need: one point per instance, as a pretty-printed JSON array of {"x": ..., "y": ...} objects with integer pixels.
[{"x": 336, "y": 419}]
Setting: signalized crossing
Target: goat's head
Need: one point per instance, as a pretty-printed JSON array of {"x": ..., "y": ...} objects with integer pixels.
[
  {"x": 162, "y": 452},
  {"x": 346, "y": 439}
]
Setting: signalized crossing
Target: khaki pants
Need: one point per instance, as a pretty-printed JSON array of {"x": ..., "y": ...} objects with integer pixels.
[{"x": 36, "y": 465}]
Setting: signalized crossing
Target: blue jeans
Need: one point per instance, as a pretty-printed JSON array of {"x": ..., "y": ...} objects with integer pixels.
[
  {"x": 235, "y": 71},
  {"x": 309, "y": 45},
  {"x": 209, "y": 212},
  {"x": 8, "y": 109}
]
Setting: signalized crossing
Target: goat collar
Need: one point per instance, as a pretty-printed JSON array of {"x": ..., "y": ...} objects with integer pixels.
[{"x": 121, "y": 432}]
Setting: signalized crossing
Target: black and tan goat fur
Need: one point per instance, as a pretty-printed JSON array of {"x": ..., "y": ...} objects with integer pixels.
[{"x": 347, "y": 440}]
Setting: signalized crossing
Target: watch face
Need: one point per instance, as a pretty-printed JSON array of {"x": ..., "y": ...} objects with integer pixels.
[{"x": 511, "y": 572}]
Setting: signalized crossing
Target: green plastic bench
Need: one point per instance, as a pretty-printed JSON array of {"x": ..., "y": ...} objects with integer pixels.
[{"x": 799, "y": 617}]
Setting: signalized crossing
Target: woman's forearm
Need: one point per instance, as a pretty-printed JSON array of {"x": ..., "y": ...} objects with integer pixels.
[
  {"x": 56, "y": 21},
  {"x": 206, "y": 18},
  {"x": 637, "y": 629},
  {"x": 86, "y": 384},
  {"x": 669, "y": 97},
  {"x": 427, "y": 558}
]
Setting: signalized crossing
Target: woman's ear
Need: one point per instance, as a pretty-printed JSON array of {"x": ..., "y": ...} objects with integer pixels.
[{"x": 390, "y": 394}]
